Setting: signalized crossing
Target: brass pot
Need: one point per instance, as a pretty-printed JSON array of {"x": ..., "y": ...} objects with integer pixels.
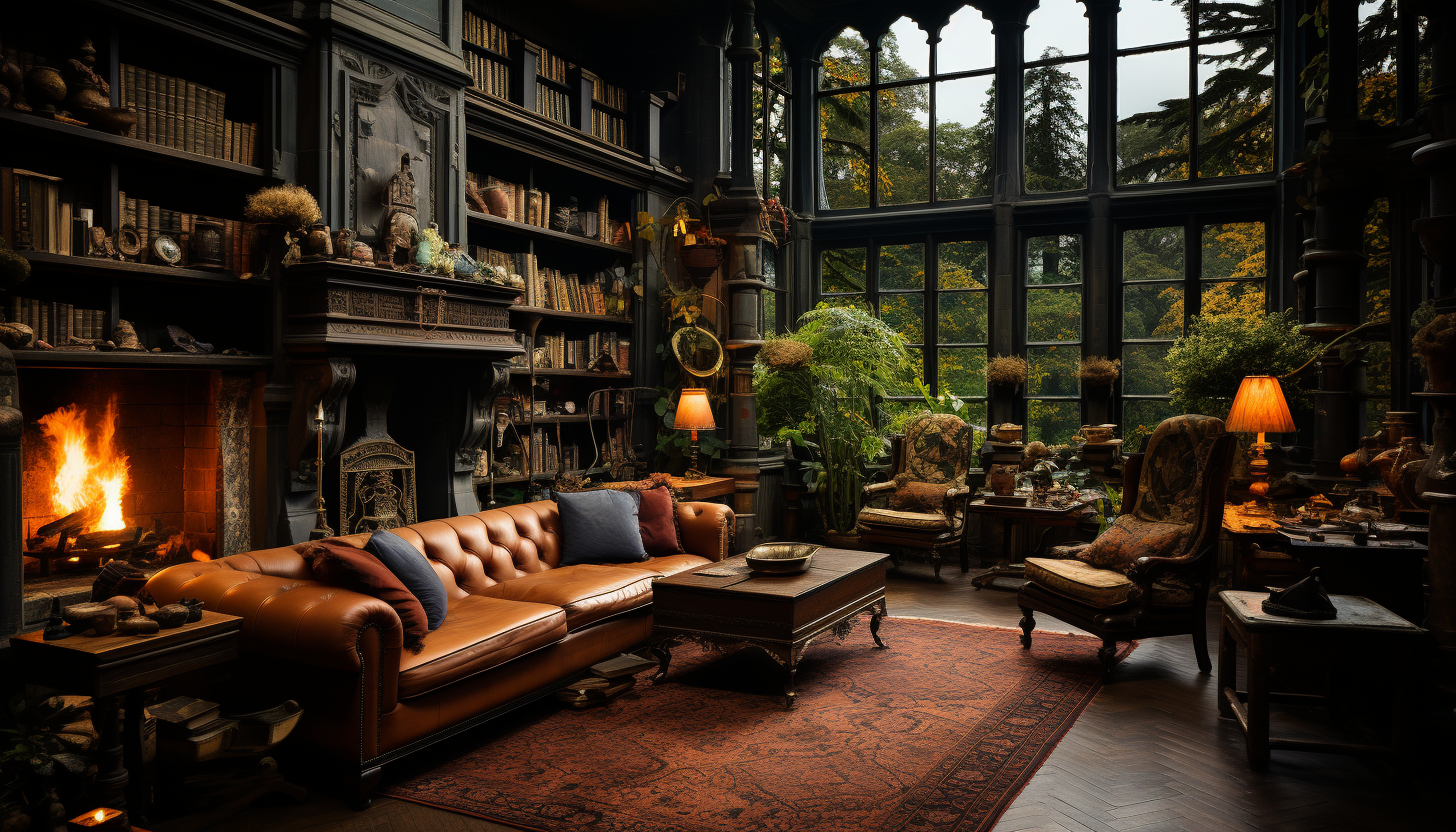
[{"x": 44, "y": 89}]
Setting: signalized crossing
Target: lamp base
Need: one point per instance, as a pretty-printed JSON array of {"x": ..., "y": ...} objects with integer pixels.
[{"x": 1255, "y": 508}]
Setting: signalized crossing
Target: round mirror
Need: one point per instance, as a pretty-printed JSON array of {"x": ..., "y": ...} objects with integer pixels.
[{"x": 697, "y": 351}]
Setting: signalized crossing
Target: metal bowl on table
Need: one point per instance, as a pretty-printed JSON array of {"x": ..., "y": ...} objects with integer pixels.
[{"x": 780, "y": 558}]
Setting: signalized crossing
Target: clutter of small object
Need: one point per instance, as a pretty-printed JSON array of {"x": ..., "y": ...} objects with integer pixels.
[{"x": 117, "y": 607}]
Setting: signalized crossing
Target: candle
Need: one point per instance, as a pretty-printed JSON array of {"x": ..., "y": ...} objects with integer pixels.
[
  {"x": 99, "y": 819},
  {"x": 321, "y": 410}
]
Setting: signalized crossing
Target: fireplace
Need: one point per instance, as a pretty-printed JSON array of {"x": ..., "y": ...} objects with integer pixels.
[{"x": 146, "y": 465}]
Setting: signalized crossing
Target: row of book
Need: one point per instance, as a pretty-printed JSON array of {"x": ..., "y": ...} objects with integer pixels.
[
  {"x": 183, "y": 115},
  {"x": 552, "y": 67},
  {"x": 55, "y": 323},
  {"x": 553, "y": 103},
  {"x": 609, "y": 128},
  {"x": 33, "y": 217},
  {"x": 532, "y": 206},
  {"x": 550, "y": 455},
  {"x": 151, "y": 220},
  {"x": 556, "y": 351},
  {"x": 609, "y": 94},
  {"x": 489, "y": 76},
  {"x": 486, "y": 35}
]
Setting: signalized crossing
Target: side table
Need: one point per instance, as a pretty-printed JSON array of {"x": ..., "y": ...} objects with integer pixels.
[
  {"x": 1253, "y": 560},
  {"x": 116, "y": 667},
  {"x": 1362, "y": 629},
  {"x": 1008, "y": 515},
  {"x": 702, "y": 489}
]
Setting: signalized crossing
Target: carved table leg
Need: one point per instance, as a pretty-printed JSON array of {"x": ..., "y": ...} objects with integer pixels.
[
  {"x": 111, "y": 774},
  {"x": 662, "y": 651},
  {"x": 789, "y": 685},
  {"x": 880, "y": 611}
]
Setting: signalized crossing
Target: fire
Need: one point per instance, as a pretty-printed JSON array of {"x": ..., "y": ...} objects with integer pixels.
[
  {"x": 199, "y": 555},
  {"x": 99, "y": 816},
  {"x": 88, "y": 474}
]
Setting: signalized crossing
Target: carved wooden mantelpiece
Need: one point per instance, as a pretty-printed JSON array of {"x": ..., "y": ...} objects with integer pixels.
[{"x": 341, "y": 304}]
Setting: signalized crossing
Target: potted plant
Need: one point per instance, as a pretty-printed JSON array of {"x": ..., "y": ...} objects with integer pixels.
[
  {"x": 817, "y": 386},
  {"x": 1007, "y": 371},
  {"x": 1207, "y": 365},
  {"x": 279, "y": 211},
  {"x": 1099, "y": 372}
]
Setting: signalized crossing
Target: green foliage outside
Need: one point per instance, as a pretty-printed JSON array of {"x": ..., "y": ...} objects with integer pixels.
[{"x": 1207, "y": 366}]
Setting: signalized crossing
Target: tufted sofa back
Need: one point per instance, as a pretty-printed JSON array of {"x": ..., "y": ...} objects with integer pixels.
[{"x": 470, "y": 553}]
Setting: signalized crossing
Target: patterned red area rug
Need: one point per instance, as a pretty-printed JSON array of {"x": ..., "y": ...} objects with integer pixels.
[{"x": 938, "y": 732}]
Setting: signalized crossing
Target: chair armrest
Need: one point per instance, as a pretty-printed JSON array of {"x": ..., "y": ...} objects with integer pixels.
[
  {"x": 1148, "y": 568},
  {"x": 707, "y": 529},
  {"x": 877, "y": 487},
  {"x": 1067, "y": 551}
]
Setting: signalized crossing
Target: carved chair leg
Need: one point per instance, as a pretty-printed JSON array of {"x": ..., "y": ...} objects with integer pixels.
[
  {"x": 1027, "y": 623},
  {"x": 1108, "y": 654},
  {"x": 1200, "y": 642},
  {"x": 935, "y": 562}
]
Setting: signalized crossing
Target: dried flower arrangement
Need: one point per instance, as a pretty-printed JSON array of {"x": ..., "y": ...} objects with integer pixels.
[
  {"x": 290, "y": 206},
  {"x": 1099, "y": 370},
  {"x": 1435, "y": 344},
  {"x": 1007, "y": 369},
  {"x": 786, "y": 354}
]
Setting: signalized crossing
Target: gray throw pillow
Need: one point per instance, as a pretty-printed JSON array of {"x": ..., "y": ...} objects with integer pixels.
[
  {"x": 599, "y": 527},
  {"x": 413, "y": 570}
]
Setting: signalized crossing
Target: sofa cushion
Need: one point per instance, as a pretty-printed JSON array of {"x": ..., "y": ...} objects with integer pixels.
[
  {"x": 341, "y": 565},
  {"x": 478, "y": 634},
  {"x": 657, "y": 520},
  {"x": 599, "y": 527},
  {"x": 1099, "y": 588},
  {"x": 589, "y": 592},
  {"x": 413, "y": 570},
  {"x": 670, "y": 565}
]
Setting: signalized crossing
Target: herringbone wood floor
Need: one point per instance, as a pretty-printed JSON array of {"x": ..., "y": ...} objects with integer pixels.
[{"x": 1149, "y": 754}]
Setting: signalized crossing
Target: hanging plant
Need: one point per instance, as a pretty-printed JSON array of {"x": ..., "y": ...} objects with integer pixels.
[
  {"x": 1099, "y": 370},
  {"x": 1007, "y": 369}
]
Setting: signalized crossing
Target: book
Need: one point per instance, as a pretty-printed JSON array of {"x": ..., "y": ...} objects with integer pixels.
[
  {"x": 184, "y": 714},
  {"x": 627, "y": 664}
]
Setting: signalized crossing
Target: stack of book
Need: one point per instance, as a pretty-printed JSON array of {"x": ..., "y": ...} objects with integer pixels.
[
  {"x": 1104, "y": 458},
  {"x": 607, "y": 681},
  {"x": 490, "y": 76},
  {"x": 191, "y": 730},
  {"x": 608, "y": 127},
  {"x": 33, "y": 217},
  {"x": 151, "y": 220},
  {"x": 551, "y": 102},
  {"x": 177, "y": 113},
  {"x": 549, "y": 456},
  {"x": 994, "y": 452},
  {"x": 558, "y": 352},
  {"x": 551, "y": 289},
  {"x": 55, "y": 323}
]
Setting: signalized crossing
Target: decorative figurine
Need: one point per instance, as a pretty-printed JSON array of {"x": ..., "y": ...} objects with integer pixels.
[
  {"x": 316, "y": 244},
  {"x": 402, "y": 224},
  {"x": 361, "y": 253},
  {"x": 186, "y": 342},
  {"x": 125, "y": 337},
  {"x": 44, "y": 89},
  {"x": 343, "y": 244},
  {"x": 90, "y": 95},
  {"x": 98, "y": 243}
]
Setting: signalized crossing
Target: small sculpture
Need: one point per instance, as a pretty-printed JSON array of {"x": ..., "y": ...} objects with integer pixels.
[
  {"x": 343, "y": 243},
  {"x": 1399, "y": 467},
  {"x": 138, "y": 625},
  {"x": 401, "y": 224},
  {"x": 98, "y": 243},
  {"x": 17, "y": 336},
  {"x": 605, "y": 363},
  {"x": 316, "y": 244},
  {"x": 55, "y": 628},
  {"x": 187, "y": 343},
  {"x": 194, "y": 609},
  {"x": 361, "y": 253},
  {"x": 125, "y": 337},
  {"x": 172, "y": 615},
  {"x": 1305, "y": 599}
]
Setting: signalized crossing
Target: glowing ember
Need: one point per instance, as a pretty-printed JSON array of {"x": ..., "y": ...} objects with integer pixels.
[
  {"x": 198, "y": 554},
  {"x": 112, "y": 546},
  {"x": 99, "y": 816},
  {"x": 88, "y": 474},
  {"x": 75, "y": 560}
]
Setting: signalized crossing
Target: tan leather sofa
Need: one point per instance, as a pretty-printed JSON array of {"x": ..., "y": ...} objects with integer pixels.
[{"x": 518, "y": 626}]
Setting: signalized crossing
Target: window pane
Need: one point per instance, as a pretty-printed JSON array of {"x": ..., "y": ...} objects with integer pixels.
[
  {"x": 1053, "y": 371},
  {"x": 962, "y": 370},
  {"x": 963, "y": 265},
  {"x": 1054, "y": 110},
  {"x": 1152, "y": 254},
  {"x": 770, "y": 299},
  {"x": 845, "y": 63},
  {"x": 905, "y": 145},
  {"x": 1243, "y": 300},
  {"x": 845, "y": 149},
  {"x": 842, "y": 270},
  {"x": 1054, "y": 259},
  {"x": 842, "y": 300},
  {"x": 778, "y": 64},
  {"x": 1233, "y": 250},
  {"x": 1053, "y": 315},
  {"x": 778, "y": 147},
  {"x": 902, "y": 267},
  {"x": 976, "y": 415},
  {"x": 1060, "y": 24},
  {"x": 1152, "y": 117},
  {"x": 965, "y": 129},
  {"x": 1378, "y": 38},
  {"x": 904, "y": 52},
  {"x": 1052, "y": 422},
  {"x": 966, "y": 43},
  {"x": 963, "y": 318},
  {"x": 1375, "y": 300},
  {"x": 1146, "y": 22},
  {"x": 1140, "y": 417},
  {"x": 1236, "y": 107},
  {"x": 1153, "y": 311},
  {"x": 1145, "y": 370},
  {"x": 758, "y": 126},
  {"x": 1226, "y": 17},
  {"x": 905, "y": 313}
]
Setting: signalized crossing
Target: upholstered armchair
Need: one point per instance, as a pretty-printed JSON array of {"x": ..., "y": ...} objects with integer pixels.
[
  {"x": 1149, "y": 573},
  {"x": 917, "y": 512}
]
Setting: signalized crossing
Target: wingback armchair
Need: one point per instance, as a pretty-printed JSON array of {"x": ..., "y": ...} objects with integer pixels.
[
  {"x": 1149, "y": 573},
  {"x": 917, "y": 512}
]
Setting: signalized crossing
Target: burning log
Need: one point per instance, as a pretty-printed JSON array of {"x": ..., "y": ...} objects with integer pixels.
[
  {"x": 71, "y": 524},
  {"x": 120, "y": 538}
]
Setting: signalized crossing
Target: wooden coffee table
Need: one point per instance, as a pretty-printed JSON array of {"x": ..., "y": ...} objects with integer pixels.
[{"x": 724, "y": 605}]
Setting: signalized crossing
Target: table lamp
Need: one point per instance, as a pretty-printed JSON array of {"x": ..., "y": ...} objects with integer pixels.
[
  {"x": 1259, "y": 407},
  {"x": 694, "y": 413}
]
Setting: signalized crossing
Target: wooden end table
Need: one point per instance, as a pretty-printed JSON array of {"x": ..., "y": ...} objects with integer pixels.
[
  {"x": 1362, "y": 627},
  {"x": 702, "y": 489},
  {"x": 1011, "y": 515},
  {"x": 116, "y": 667},
  {"x": 780, "y": 614}
]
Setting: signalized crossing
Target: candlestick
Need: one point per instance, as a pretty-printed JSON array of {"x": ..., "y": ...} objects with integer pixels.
[{"x": 321, "y": 528}]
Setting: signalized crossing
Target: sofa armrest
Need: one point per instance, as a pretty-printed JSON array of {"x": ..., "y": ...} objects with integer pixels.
[
  {"x": 707, "y": 529},
  {"x": 297, "y": 620}
]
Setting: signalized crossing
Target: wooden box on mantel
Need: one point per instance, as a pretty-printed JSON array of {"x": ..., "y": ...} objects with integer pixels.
[{"x": 334, "y": 303}]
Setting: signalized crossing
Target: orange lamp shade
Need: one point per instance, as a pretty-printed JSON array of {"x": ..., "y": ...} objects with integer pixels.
[
  {"x": 1259, "y": 407},
  {"x": 694, "y": 412}
]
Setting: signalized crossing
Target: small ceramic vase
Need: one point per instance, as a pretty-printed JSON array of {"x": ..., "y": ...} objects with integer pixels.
[
  {"x": 44, "y": 89},
  {"x": 316, "y": 244}
]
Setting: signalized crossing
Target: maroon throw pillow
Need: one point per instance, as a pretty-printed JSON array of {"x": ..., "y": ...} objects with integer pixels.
[
  {"x": 345, "y": 567},
  {"x": 657, "y": 519}
]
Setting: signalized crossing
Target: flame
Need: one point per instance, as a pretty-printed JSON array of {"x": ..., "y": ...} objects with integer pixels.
[
  {"x": 199, "y": 555},
  {"x": 99, "y": 816},
  {"x": 87, "y": 476}
]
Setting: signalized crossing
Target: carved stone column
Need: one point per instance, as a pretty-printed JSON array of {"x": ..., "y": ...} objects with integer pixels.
[{"x": 326, "y": 382}]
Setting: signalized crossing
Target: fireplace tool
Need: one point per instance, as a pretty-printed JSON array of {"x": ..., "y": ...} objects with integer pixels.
[
  {"x": 623, "y": 464},
  {"x": 321, "y": 528}
]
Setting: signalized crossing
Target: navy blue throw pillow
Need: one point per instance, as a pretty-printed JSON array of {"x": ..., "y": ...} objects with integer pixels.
[
  {"x": 413, "y": 570},
  {"x": 599, "y": 527}
]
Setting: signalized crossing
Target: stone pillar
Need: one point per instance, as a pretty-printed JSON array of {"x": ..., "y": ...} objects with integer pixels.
[{"x": 1098, "y": 337}]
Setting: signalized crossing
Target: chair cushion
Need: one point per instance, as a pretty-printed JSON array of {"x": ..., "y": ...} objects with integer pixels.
[
  {"x": 599, "y": 527},
  {"x": 670, "y": 565},
  {"x": 918, "y": 496},
  {"x": 588, "y": 592},
  {"x": 413, "y": 570},
  {"x": 1130, "y": 537},
  {"x": 903, "y": 519},
  {"x": 1099, "y": 588},
  {"x": 478, "y": 634}
]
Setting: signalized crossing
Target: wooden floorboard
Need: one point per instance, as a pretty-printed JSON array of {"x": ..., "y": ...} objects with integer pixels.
[{"x": 1149, "y": 754}]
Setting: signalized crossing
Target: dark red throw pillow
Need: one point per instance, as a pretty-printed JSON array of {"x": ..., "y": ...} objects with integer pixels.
[
  {"x": 345, "y": 567},
  {"x": 657, "y": 519}
]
